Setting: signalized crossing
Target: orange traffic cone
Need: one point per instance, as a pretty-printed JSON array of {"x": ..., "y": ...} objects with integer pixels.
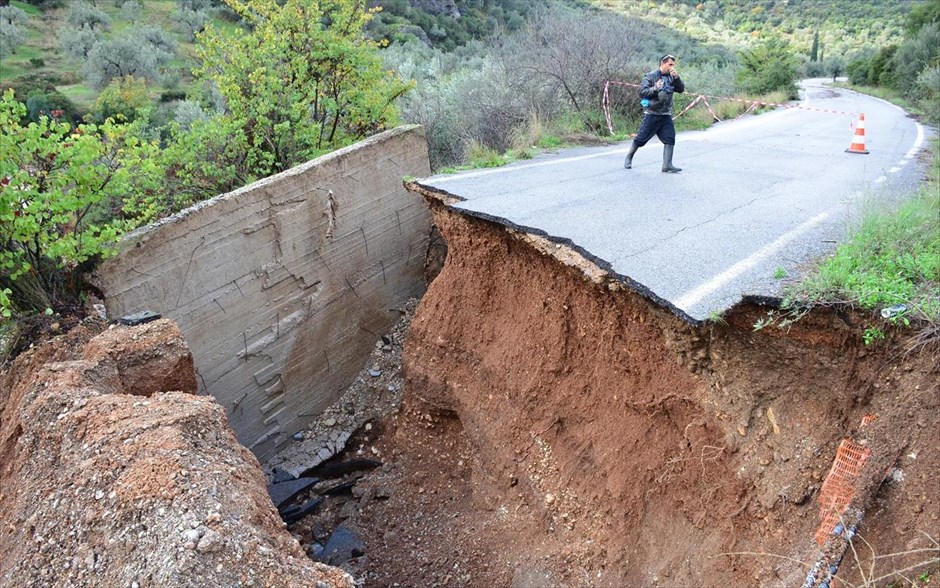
[{"x": 858, "y": 141}]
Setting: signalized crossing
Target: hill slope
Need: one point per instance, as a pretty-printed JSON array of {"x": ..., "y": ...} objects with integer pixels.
[{"x": 844, "y": 26}]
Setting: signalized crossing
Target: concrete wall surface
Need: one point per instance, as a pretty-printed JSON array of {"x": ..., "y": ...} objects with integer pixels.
[{"x": 282, "y": 288}]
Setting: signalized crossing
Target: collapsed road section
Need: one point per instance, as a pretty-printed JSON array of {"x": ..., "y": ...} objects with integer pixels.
[{"x": 651, "y": 451}]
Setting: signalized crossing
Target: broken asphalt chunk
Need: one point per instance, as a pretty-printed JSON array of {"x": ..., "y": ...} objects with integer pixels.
[
  {"x": 335, "y": 470},
  {"x": 342, "y": 546},
  {"x": 278, "y": 475},
  {"x": 294, "y": 513},
  {"x": 339, "y": 488},
  {"x": 139, "y": 318},
  {"x": 283, "y": 492}
]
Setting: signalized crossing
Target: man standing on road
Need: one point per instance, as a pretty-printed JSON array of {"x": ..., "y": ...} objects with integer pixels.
[{"x": 656, "y": 97}]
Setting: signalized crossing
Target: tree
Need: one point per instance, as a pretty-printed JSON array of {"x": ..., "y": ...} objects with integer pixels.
[
  {"x": 54, "y": 181},
  {"x": 301, "y": 79},
  {"x": 81, "y": 15},
  {"x": 139, "y": 54},
  {"x": 768, "y": 67},
  {"x": 835, "y": 66},
  {"x": 12, "y": 34},
  {"x": 814, "y": 53},
  {"x": 916, "y": 54},
  {"x": 190, "y": 22},
  {"x": 130, "y": 10},
  {"x": 78, "y": 43},
  {"x": 573, "y": 53}
]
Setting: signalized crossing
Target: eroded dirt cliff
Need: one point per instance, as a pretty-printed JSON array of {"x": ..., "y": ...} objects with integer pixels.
[
  {"x": 615, "y": 445},
  {"x": 113, "y": 473}
]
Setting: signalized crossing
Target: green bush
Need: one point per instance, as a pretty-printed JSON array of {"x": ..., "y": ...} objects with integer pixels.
[
  {"x": 768, "y": 67},
  {"x": 54, "y": 180},
  {"x": 124, "y": 99}
]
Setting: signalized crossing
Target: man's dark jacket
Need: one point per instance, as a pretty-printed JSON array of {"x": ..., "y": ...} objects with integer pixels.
[{"x": 660, "y": 100}]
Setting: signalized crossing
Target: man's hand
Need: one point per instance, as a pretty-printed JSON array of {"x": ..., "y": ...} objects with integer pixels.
[
  {"x": 659, "y": 84},
  {"x": 673, "y": 72}
]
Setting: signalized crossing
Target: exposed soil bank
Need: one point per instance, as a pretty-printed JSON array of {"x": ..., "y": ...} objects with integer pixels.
[
  {"x": 113, "y": 473},
  {"x": 629, "y": 448}
]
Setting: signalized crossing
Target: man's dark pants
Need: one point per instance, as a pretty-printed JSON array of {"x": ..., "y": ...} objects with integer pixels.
[{"x": 659, "y": 125}]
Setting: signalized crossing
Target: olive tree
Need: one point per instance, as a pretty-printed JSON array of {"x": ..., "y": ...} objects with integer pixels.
[
  {"x": 78, "y": 43},
  {"x": 140, "y": 54},
  {"x": 12, "y": 34},
  {"x": 81, "y": 15}
]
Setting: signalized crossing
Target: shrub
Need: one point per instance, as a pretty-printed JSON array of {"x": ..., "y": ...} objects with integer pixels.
[
  {"x": 55, "y": 180},
  {"x": 300, "y": 80},
  {"x": 768, "y": 67},
  {"x": 124, "y": 99},
  {"x": 914, "y": 56}
]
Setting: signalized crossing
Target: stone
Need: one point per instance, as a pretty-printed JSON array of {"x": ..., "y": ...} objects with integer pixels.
[
  {"x": 191, "y": 536},
  {"x": 211, "y": 542},
  {"x": 375, "y": 373}
]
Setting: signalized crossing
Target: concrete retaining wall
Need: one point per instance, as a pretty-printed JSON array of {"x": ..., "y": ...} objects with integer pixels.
[{"x": 281, "y": 288}]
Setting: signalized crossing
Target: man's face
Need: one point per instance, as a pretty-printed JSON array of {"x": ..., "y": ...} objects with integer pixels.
[{"x": 667, "y": 65}]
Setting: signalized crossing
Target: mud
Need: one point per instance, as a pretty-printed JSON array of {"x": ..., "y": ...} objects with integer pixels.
[{"x": 634, "y": 449}]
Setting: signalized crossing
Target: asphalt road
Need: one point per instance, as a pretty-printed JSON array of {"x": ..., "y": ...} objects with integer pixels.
[{"x": 758, "y": 197}]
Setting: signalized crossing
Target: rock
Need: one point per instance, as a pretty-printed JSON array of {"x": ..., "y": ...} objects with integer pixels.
[
  {"x": 299, "y": 436},
  {"x": 284, "y": 492},
  {"x": 211, "y": 542},
  {"x": 375, "y": 373},
  {"x": 316, "y": 550},
  {"x": 191, "y": 536},
  {"x": 329, "y": 422},
  {"x": 342, "y": 546}
]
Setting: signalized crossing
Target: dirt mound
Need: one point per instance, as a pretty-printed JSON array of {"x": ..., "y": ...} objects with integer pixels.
[
  {"x": 114, "y": 474},
  {"x": 614, "y": 445}
]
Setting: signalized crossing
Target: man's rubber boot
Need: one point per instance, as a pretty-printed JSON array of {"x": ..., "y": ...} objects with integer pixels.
[
  {"x": 628, "y": 162},
  {"x": 668, "y": 168}
]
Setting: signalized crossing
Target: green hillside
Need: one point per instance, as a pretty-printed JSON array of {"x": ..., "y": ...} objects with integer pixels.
[
  {"x": 40, "y": 61},
  {"x": 844, "y": 26}
]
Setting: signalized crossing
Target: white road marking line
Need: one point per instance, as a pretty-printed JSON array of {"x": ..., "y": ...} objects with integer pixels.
[
  {"x": 486, "y": 172},
  {"x": 917, "y": 143},
  {"x": 894, "y": 170},
  {"x": 694, "y": 296},
  {"x": 903, "y": 162},
  {"x": 881, "y": 179}
]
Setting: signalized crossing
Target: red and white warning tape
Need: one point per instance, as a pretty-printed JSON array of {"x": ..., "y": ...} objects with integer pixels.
[{"x": 704, "y": 98}]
